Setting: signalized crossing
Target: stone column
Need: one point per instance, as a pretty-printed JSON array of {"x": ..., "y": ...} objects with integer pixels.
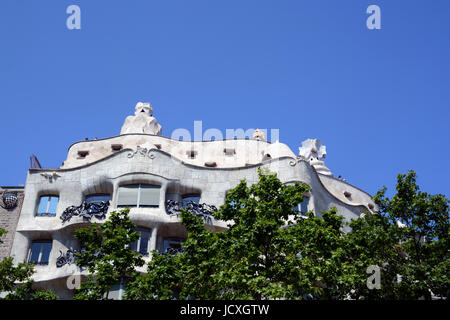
[{"x": 152, "y": 245}]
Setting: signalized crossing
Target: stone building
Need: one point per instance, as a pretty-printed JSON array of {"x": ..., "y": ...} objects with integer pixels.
[
  {"x": 11, "y": 199},
  {"x": 155, "y": 175}
]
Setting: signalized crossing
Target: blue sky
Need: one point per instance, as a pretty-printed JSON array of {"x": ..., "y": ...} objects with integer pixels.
[{"x": 378, "y": 99}]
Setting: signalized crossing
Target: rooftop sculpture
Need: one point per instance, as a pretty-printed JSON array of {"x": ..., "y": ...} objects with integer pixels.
[
  {"x": 313, "y": 151},
  {"x": 259, "y": 135},
  {"x": 142, "y": 121}
]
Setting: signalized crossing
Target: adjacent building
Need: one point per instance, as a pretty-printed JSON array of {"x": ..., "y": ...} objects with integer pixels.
[{"x": 11, "y": 199}]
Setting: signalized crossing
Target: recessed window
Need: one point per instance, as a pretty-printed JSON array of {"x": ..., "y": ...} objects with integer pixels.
[
  {"x": 40, "y": 252},
  {"x": 229, "y": 151},
  {"x": 195, "y": 198},
  {"x": 98, "y": 198},
  {"x": 302, "y": 207},
  {"x": 47, "y": 206},
  {"x": 117, "y": 291},
  {"x": 210, "y": 164},
  {"x": 172, "y": 245},
  {"x": 116, "y": 147},
  {"x": 82, "y": 154},
  {"x": 142, "y": 244},
  {"x": 139, "y": 195}
]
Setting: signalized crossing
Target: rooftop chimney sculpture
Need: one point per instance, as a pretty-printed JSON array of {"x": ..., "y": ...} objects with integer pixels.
[{"x": 142, "y": 121}]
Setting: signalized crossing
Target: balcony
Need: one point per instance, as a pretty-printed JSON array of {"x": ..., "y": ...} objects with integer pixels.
[{"x": 87, "y": 210}]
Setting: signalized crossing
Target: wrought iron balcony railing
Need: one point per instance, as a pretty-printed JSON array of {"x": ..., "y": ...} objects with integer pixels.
[
  {"x": 67, "y": 258},
  {"x": 202, "y": 210},
  {"x": 87, "y": 210}
]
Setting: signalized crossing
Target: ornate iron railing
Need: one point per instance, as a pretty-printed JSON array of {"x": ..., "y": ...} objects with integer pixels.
[
  {"x": 86, "y": 210},
  {"x": 173, "y": 251},
  {"x": 202, "y": 210},
  {"x": 70, "y": 257},
  {"x": 67, "y": 258}
]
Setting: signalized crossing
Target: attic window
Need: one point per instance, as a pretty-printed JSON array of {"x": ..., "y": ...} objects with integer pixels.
[
  {"x": 116, "y": 147},
  {"x": 229, "y": 151},
  {"x": 191, "y": 154},
  {"x": 347, "y": 194},
  {"x": 371, "y": 206},
  {"x": 158, "y": 146},
  {"x": 83, "y": 153}
]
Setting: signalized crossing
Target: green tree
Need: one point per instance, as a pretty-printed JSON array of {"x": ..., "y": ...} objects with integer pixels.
[
  {"x": 422, "y": 239},
  {"x": 161, "y": 282},
  {"x": 270, "y": 251},
  {"x": 408, "y": 239},
  {"x": 253, "y": 259},
  {"x": 107, "y": 255},
  {"x": 373, "y": 241},
  {"x": 320, "y": 243},
  {"x": 16, "y": 281}
]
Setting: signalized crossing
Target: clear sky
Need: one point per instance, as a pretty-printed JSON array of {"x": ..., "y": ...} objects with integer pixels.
[{"x": 378, "y": 99}]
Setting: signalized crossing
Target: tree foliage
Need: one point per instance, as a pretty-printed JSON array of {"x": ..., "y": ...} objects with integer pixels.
[
  {"x": 270, "y": 251},
  {"x": 419, "y": 228},
  {"x": 107, "y": 255}
]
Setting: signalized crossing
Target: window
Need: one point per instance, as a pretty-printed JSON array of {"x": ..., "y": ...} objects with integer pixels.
[
  {"x": 116, "y": 291},
  {"x": 40, "y": 252},
  {"x": 192, "y": 197},
  {"x": 116, "y": 147},
  {"x": 229, "y": 151},
  {"x": 82, "y": 154},
  {"x": 97, "y": 198},
  {"x": 142, "y": 244},
  {"x": 47, "y": 206},
  {"x": 172, "y": 244},
  {"x": 139, "y": 195},
  {"x": 302, "y": 207}
]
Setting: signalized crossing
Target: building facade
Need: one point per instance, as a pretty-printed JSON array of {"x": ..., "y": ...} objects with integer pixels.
[{"x": 155, "y": 175}]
